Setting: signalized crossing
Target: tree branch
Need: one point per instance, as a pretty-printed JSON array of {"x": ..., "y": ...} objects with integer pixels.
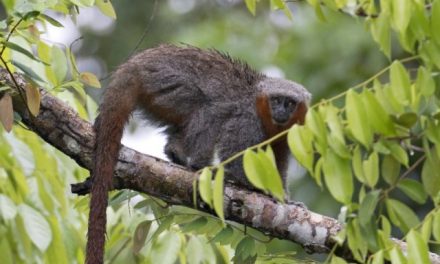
[{"x": 61, "y": 126}]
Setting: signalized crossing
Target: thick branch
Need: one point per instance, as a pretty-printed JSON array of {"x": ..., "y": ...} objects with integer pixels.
[{"x": 60, "y": 126}]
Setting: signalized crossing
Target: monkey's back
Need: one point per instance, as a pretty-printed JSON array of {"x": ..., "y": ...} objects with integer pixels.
[{"x": 188, "y": 78}]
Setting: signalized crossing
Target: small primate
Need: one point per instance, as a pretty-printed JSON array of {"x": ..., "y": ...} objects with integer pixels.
[{"x": 212, "y": 106}]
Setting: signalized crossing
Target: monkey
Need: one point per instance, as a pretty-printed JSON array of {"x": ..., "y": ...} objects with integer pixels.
[{"x": 211, "y": 105}]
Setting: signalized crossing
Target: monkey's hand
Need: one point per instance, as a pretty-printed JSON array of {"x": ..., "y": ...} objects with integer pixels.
[{"x": 82, "y": 188}]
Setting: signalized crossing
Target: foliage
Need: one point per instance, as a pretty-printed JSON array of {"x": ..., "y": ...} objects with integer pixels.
[
  {"x": 376, "y": 151},
  {"x": 384, "y": 142}
]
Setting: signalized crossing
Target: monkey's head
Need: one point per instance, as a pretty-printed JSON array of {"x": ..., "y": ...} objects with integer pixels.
[{"x": 281, "y": 104}]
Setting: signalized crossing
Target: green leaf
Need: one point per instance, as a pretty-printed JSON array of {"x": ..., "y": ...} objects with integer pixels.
[
  {"x": 337, "y": 260},
  {"x": 57, "y": 251},
  {"x": 36, "y": 226},
  {"x": 390, "y": 169},
  {"x": 253, "y": 168},
  {"x": 165, "y": 249},
  {"x": 224, "y": 237},
  {"x": 401, "y": 215},
  {"x": 436, "y": 226},
  {"x": 106, "y": 8},
  {"x": 300, "y": 140},
  {"x": 378, "y": 257},
  {"x": 195, "y": 225},
  {"x": 380, "y": 30},
  {"x": 401, "y": 14},
  {"x": 357, "y": 118},
  {"x": 425, "y": 83},
  {"x": 378, "y": 117},
  {"x": 205, "y": 189},
  {"x": 413, "y": 189},
  {"x": 315, "y": 123},
  {"x": 271, "y": 178},
  {"x": 52, "y": 21},
  {"x": 140, "y": 235},
  {"x": 398, "y": 152},
  {"x": 58, "y": 64},
  {"x": 357, "y": 164},
  {"x": 407, "y": 120},
  {"x": 338, "y": 177},
  {"x": 318, "y": 11},
  {"x": 367, "y": 207},
  {"x": 218, "y": 193},
  {"x": 246, "y": 248},
  {"x": 20, "y": 49},
  {"x": 251, "y": 6},
  {"x": 333, "y": 121},
  {"x": 417, "y": 248},
  {"x": 371, "y": 169},
  {"x": 8, "y": 210},
  {"x": 90, "y": 79},
  {"x": 435, "y": 21},
  {"x": 400, "y": 82},
  {"x": 396, "y": 255},
  {"x": 28, "y": 71},
  {"x": 431, "y": 174}
]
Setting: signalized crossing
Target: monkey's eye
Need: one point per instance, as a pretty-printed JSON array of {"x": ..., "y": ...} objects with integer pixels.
[
  {"x": 290, "y": 103},
  {"x": 276, "y": 100}
]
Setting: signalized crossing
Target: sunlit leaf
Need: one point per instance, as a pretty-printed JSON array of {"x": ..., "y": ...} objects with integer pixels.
[
  {"x": 205, "y": 188},
  {"x": 358, "y": 168},
  {"x": 435, "y": 21},
  {"x": 401, "y": 14},
  {"x": 8, "y": 210},
  {"x": 218, "y": 192},
  {"x": 338, "y": 177},
  {"x": 400, "y": 82},
  {"x": 251, "y": 6},
  {"x": 253, "y": 169},
  {"x": 357, "y": 118},
  {"x": 417, "y": 248},
  {"x": 380, "y": 30},
  {"x": 371, "y": 169},
  {"x": 270, "y": 176},
  {"x": 425, "y": 83},
  {"x": 436, "y": 226},
  {"x": 315, "y": 123},
  {"x": 36, "y": 226},
  {"x": 300, "y": 141},
  {"x": 378, "y": 117},
  {"x": 58, "y": 64}
]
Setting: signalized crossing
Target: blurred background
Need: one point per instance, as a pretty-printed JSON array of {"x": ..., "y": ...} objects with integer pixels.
[{"x": 327, "y": 58}]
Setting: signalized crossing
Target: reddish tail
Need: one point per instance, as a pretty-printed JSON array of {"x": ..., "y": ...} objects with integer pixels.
[{"x": 119, "y": 102}]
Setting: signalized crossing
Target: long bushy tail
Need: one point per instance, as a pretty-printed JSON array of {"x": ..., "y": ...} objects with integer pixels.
[{"x": 119, "y": 101}]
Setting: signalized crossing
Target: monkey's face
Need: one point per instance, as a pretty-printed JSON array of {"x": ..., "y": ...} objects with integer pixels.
[{"x": 282, "y": 108}]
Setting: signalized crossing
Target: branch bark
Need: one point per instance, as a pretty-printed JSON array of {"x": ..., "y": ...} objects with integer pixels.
[{"x": 60, "y": 125}]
